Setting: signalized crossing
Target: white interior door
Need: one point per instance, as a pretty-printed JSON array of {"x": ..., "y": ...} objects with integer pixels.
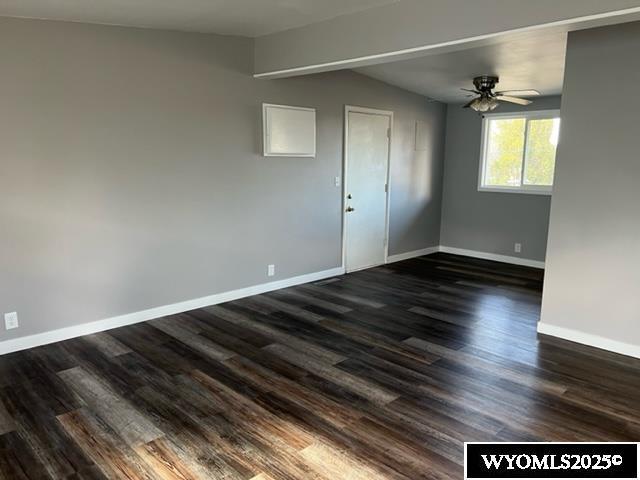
[{"x": 367, "y": 143}]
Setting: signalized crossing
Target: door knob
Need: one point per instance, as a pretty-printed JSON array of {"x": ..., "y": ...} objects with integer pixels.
[{"x": 350, "y": 209}]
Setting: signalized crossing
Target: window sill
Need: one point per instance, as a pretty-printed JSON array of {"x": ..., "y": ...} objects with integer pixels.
[{"x": 515, "y": 190}]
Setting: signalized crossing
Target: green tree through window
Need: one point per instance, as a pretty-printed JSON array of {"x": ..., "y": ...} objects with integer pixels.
[
  {"x": 540, "y": 157},
  {"x": 520, "y": 151},
  {"x": 504, "y": 153}
]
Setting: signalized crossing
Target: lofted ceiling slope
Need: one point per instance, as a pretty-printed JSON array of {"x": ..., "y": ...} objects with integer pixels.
[{"x": 250, "y": 18}]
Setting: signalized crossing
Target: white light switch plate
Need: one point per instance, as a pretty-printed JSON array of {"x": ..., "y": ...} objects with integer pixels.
[{"x": 11, "y": 320}]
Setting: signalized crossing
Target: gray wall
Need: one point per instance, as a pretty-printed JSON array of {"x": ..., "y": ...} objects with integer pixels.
[
  {"x": 131, "y": 174},
  {"x": 487, "y": 221},
  {"x": 592, "y": 280}
]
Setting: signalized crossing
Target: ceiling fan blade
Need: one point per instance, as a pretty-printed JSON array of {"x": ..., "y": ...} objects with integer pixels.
[
  {"x": 519, "y": 101},
  {"x": 519, "y": 92},
  {"x": 469, "y": 90}
]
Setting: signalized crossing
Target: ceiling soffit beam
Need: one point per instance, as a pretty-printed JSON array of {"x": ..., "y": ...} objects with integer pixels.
[{"x": 344, "y": 42}]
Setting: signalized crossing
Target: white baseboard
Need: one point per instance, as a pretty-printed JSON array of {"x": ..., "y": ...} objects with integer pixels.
[
  {"x": 467, "y": 253},
  {"x": 61, "y": 334},
  {"x": 492, "y": 256},
  {"x": 416, "y": 253},
  {"x": 23, "y": 343},
  {"x": 589, "y": 339}
]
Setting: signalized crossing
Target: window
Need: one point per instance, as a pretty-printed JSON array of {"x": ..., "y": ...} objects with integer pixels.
[{"x": 518, "y": 152}]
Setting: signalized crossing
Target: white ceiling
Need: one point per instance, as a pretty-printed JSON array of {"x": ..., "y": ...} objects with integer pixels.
[
  {"x": 529, "y": 61},
  {"x": 249, "y": 18}
]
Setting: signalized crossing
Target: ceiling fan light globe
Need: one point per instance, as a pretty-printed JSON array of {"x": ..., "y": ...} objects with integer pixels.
[
  {"x": 484, "y": 104},
  {"x": 475, "y": 105}
]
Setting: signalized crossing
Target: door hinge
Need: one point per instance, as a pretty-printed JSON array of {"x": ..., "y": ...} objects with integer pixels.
[
  {"x": 386, "y": 188},
  {"x": 388, "y": 133}
]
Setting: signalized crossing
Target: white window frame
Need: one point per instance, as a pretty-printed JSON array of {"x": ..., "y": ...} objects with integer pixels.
[{"x": 484, "y": 145}]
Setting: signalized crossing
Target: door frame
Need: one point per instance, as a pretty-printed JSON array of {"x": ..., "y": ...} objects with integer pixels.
[{"x": 345, "y": 179}]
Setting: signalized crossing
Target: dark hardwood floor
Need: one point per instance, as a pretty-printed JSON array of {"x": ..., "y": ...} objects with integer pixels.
[{"x": 380, "y": 374}]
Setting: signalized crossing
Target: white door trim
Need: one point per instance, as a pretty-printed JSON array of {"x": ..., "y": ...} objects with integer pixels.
[{"x": 348, "y": 109}]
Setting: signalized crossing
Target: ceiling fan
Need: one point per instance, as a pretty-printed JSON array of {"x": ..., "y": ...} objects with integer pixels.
[{"x": 487, "y": 99}]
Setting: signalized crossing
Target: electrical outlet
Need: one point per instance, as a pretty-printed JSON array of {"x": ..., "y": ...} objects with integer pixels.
[
  {"x": 271, "y": 270},
  {"x": 11, "y": 320},
  {"x": 337, "y": 180},
  {"x": 518, "y": 247}
]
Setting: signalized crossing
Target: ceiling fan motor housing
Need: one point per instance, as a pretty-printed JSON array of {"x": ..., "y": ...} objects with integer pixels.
[{"x": 485, "y": 83}]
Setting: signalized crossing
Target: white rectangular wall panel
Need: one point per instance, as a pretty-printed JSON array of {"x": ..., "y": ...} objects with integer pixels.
[{"x": 288, "y": 131}]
